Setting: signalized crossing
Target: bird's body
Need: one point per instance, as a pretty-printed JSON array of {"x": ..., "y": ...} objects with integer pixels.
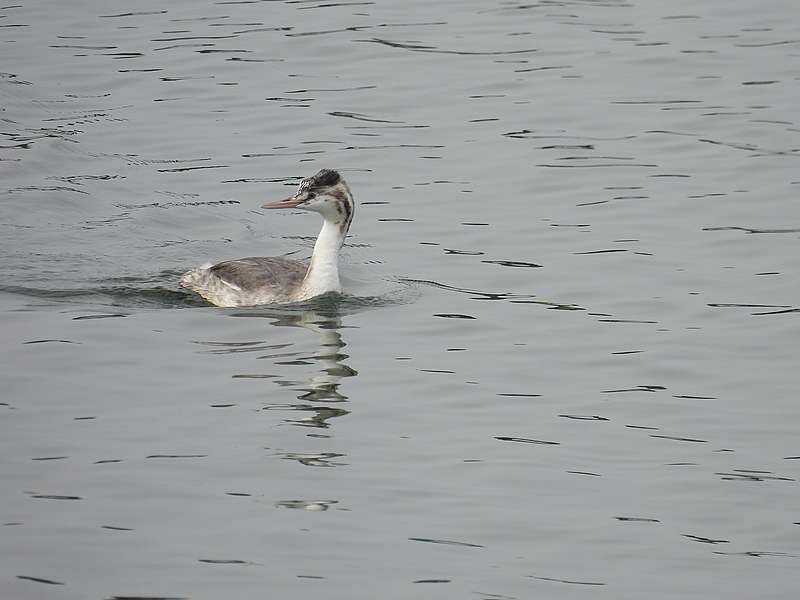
[
  {"x": 247, "y": 281},
  {"x": 277, "y": 280}
]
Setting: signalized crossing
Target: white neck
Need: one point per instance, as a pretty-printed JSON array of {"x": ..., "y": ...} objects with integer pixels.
[{"x": 323, "y": 271}]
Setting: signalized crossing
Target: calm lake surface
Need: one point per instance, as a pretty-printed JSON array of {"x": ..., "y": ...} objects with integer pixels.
[{"x": 566, "y": 365}]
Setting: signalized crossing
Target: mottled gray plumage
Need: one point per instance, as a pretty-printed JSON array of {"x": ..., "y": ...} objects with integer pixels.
[
  {"x": 233, "y": 280},
  {"x": 260, "y": 271}
]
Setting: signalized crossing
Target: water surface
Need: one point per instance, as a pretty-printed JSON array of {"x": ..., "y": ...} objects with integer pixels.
[{"x": 565, "y": 364}]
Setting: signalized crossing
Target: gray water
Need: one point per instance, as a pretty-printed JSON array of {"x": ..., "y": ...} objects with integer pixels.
[{"x": 566, "y": 362}]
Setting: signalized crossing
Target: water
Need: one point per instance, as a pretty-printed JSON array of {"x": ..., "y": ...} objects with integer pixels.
[{"x": 566, "y": 362}]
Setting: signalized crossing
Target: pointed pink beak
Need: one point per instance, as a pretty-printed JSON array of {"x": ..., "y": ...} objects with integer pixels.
[{"x": 288, "y": 203}]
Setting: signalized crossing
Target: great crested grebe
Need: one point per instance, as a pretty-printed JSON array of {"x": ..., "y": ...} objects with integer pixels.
[{"x": 277, "y": 280}]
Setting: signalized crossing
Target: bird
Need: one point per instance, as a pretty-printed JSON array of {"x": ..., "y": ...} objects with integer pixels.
[{"x": 259, "y": 280}]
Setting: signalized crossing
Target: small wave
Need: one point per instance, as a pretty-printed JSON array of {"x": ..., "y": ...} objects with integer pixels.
[
  {"x": 161, "y": 291},
  {"x": 124, "y": 296}
]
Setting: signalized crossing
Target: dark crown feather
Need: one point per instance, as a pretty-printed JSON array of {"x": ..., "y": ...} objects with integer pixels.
[{"x": 326, "y": 178}]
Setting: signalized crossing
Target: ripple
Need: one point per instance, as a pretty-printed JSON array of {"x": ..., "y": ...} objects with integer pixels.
[
  {"x": 196, "y": 168},
  {"x": 511, "y": 263},
  {"x": 504, "y": 438},
  {"x": 177, "y": 456},
  {"x": 40, "y": 580},
  {"x": 567, "y": 581},
  {"x": 148, "y": 598},
  {"x": 360, "y": 117},
  {"x": 143, "y": 13},
  {"x": 445, "y": 542},
  {"x": 747, "y": 475},
  {"x": 415, "y": 47},
  {"x": 750, "y": 229},
  {"x": 705, "y": 540},
  {"x": 224, "y": 561},
  {"x": 55, "y": 497},
  {"x": 115, "y": 295},
  {"x": 759, "y": 553},
  {"x": 321, "y": 459},
  {"x": 585, "y": 417},
  {"x": 679, "y": 439},
  {"x": 463, "y": 252},
  {"x": 310, "y": 505},
  {"x": 477, "y": 294}
]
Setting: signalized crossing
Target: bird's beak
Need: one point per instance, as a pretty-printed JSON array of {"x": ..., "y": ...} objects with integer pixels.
[{"x": 288, "y": 203}]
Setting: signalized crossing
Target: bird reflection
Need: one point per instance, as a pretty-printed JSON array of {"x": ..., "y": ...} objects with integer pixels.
[{"x": 319, "y": 392}]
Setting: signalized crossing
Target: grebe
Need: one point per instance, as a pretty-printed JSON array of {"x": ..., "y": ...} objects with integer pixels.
[{"x": 276, "y": 280}]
